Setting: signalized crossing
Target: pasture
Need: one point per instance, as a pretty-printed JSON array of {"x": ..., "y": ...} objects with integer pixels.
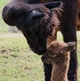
[{"x": 17, "y": 61}]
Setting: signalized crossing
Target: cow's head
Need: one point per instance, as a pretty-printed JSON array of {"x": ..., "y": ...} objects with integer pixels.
[{"x": 36, "y": 21}]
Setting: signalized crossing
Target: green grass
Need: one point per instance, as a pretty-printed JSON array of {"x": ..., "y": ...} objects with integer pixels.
[{"x": 17, "y": 61}]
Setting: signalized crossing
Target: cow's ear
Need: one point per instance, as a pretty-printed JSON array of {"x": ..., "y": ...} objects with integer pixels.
[
  {"x": 54, "y": 4},
  {"x": 10, "y": 14}
]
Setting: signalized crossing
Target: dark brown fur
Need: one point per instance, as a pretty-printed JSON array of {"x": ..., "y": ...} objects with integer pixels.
[
  {"x": 36, "y": 36},
  {"x": 32, "y": 26}
]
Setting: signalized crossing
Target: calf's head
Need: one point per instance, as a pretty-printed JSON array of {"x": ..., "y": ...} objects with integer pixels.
[
  {"x": 36, "y": 21},
  {"x": 57, "y": 52}
]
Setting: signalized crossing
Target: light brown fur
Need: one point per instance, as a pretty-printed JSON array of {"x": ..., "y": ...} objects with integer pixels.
[{"x": 59, "y": 56}]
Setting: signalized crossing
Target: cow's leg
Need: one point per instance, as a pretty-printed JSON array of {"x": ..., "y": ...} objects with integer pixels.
[
  {"x": 48, "y": 67},
  {"x": 47, "y": 71},
  {"x": 72, "y": 74},
  {"x": 69, "y": 34}
]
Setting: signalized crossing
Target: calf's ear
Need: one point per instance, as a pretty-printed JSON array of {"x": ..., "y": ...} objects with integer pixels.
[
  {"x": 69, "y": 47},
  {"x": 54, "y": 4}
]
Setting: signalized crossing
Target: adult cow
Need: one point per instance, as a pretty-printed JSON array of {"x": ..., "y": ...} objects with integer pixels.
[{"x": 36, "y": 40}]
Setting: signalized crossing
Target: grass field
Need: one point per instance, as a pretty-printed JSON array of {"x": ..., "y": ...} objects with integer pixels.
[{"x": 17, "y": 61}]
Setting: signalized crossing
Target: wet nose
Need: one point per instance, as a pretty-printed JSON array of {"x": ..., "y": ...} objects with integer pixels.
[{"x": 42, "y": 50}]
